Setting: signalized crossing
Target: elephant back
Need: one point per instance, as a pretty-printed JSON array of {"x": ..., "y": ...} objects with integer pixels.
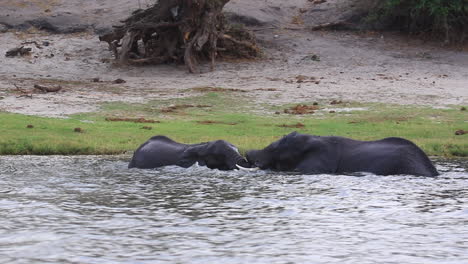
[{"x": 158, "y": 151}]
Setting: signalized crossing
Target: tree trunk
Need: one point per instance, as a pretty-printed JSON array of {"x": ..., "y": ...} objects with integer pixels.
[{"x": 185, "y": 31}]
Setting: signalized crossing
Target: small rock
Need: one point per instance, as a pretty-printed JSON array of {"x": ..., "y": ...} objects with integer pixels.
[
  {"x": 3, "y": 28},
  {"x": 118, "y": 81},
  {"x": 312, "y": 57},
  {"x": 96, "y": 79}
]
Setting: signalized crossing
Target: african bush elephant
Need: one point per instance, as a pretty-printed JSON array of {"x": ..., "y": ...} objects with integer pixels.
[
  {"x": 161, "y": 151},
  {"x": 316, "y": 154}
]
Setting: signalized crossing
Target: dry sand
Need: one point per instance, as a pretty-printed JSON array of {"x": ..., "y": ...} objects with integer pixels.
[{"x": 362, "y": 67}]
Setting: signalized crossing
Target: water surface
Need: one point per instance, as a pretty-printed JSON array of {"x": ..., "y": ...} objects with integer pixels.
[{"x": 95, "y": 210}]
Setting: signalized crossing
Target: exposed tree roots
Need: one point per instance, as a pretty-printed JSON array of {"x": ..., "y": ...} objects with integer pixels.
[{"x": 180, "y": 31}]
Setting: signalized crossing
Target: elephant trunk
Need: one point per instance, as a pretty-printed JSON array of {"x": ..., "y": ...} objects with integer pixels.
[
  {"x": 235, "y": 160},
  {"x": 245, "y": 165}
]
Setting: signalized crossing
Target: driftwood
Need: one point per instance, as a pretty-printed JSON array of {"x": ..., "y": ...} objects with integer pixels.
[
  {"x": 180, "y": 31},
  {"x": 23, "y": 93},
  {"x": 133, "y": 120},
  {"x": 39, "y": 46},
  {"x": 19, "y": 51},
  {"x": 48, "y": 89},
  {"x": 44, "y": 89}
]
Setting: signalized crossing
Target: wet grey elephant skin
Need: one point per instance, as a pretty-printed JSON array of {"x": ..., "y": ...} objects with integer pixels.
[
  {"x": 161, "y": 151},
  {"x": 310, "y": 154}
]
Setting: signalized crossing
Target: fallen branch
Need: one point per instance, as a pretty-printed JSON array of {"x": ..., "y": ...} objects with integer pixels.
[
  {"x": 210, "y": 122},
  {"x": 133, "y": 120},
  {"x": 22, "y": 51},
  {"x": 326, "y": 26},
  {"x": 21, "y": 90},
  {"x": 24, "y": 93},
  {"x": 32, "y": 42},
  {"x": 48, "y": 89}
]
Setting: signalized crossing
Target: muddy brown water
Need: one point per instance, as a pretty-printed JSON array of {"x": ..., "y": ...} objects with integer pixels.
[{"x": 94, "y": 210}]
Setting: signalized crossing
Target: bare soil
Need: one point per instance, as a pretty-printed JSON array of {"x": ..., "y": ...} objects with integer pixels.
[{"x": 299, "y": 65}]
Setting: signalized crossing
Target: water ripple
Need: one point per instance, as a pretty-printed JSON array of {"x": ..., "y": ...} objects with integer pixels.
[{"x": 94, "y": 210}]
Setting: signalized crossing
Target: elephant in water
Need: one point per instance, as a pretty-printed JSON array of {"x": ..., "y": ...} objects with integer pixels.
[
  {"x": 315, "y": 155},
  {"x": 161, "y": 151}
]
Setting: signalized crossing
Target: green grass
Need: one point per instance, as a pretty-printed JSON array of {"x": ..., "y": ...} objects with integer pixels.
[{"x": 255, "y": 126}]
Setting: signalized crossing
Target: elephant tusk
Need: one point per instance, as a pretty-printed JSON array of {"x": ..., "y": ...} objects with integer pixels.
[{"x": 247, "y": 169}]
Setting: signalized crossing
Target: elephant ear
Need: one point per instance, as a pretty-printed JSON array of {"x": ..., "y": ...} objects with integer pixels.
[
  {"x": 319, "y": 156},
  {"x": 295, "y": 147},
  {"x": 311, "y": 144},
  {"x": 193, "y": 154},
  {"x": 281, "y": 144},
  {"x": 293, "y": 144},
  {"x": 288, "y": 140}
]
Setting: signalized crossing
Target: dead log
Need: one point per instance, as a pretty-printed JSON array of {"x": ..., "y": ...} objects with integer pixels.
[
  {"x": 179, "y": 31},
  {"x": 48, "y": 89},
  {"x": 331, "y": 26},
  {"x": 23, "y": 93},
  {"x": 21, "y": 90},
  {"x": 21, "y": 51},
  {"x": 133, "y": 120}
]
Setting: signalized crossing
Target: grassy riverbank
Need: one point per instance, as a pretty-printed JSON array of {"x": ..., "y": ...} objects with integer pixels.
[{"x": 245, "y": 124}]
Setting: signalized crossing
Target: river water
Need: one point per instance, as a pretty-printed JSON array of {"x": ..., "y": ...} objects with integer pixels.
[{"x": 94, "y": 210}]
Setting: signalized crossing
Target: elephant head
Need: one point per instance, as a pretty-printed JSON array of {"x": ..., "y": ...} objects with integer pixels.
[
  {"x": 282, "y": 155},
  {"x": 218, "y": 154}
]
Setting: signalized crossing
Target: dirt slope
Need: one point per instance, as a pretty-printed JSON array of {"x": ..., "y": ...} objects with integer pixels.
[{"x": 366, "y": 67}]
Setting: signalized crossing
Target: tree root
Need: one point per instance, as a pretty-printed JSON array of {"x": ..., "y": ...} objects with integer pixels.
[{"x": 179, "y": 31}]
